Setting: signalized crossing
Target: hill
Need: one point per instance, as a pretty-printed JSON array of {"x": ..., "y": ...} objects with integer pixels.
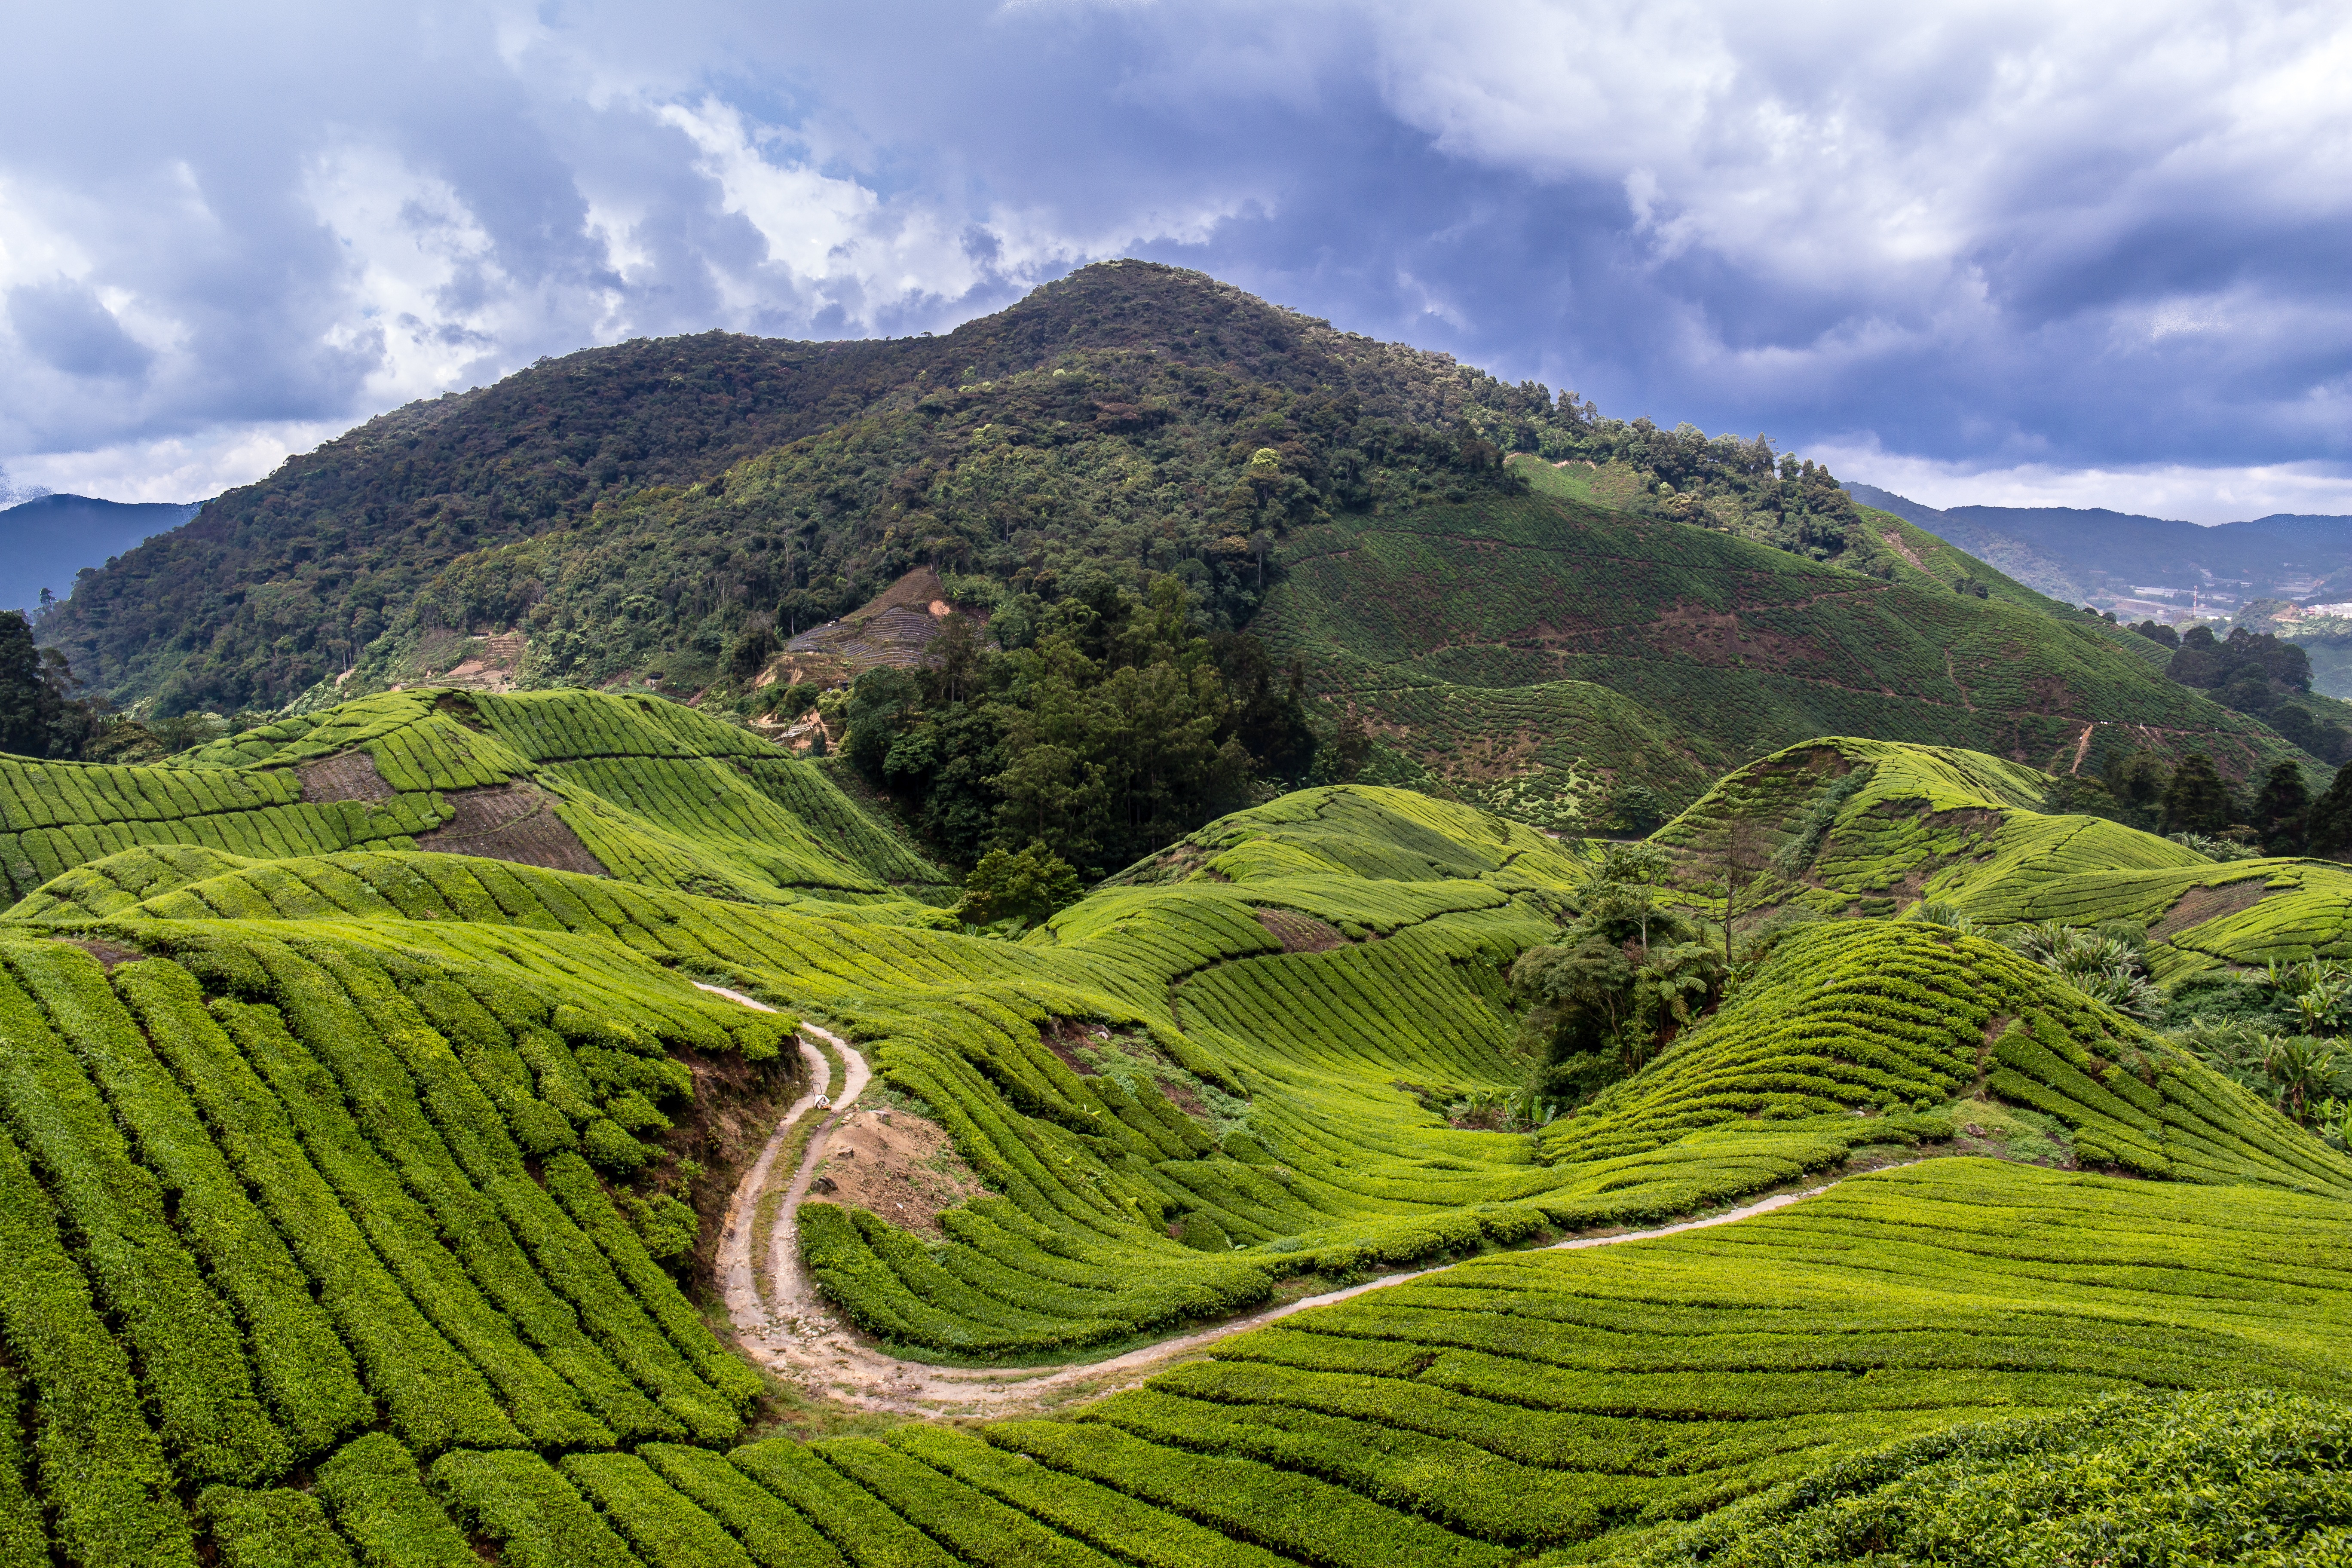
[
  {"x": 362, "y": 1192},
  {"x": 278, "y": 586},
  {"x": 1848, "y": 827},
  {"x": 641, "y": 789},
  {"x": 49, "y": 541},
  {"x": 1539, "y": 653}
]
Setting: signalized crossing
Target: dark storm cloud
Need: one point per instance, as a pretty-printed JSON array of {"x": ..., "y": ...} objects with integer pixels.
[
  {"x": 70, "y": 331},
  {"x": 2028, "y": 239}
]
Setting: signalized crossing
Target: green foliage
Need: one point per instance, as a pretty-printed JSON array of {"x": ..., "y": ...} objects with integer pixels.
[
  {"x": 2105, "y": 965},
  {"x": 1445, "y": 627},
  {"x": 2279, "y": 809},
  {"x": 2132, "y": 1480},
  {"x": 1585, "y": 1400},
  {"x": 1127, "y": 418},
  {"x": 1626, "y": 977},
  {"x": 1030, "y": 887},
  {"x": 654, "y": 791},
  {"x": 1117, "y": 727},
  {"x": 2197, "y": 799}
]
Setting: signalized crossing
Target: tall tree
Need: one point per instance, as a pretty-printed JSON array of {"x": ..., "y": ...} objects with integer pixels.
[
  {"x": 26, "y": 703},
  {"x": 2198, "y": 799},
  {"x": 2279, "y": 807},
  {"x": 2330, "y": 819}
]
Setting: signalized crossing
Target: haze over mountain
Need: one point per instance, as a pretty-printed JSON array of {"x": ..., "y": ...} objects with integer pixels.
[
  {"x": 2140, "y": 566},
  {"x": 47, "y": 541}
]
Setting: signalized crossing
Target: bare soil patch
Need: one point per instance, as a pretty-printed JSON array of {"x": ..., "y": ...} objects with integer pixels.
[
  {"x": 108, "y": 953},
  {"x": 510, "y": 822},
  {"x": 1893, "y": 542},
  {"x": 896, "y": 1164},
  {"x": 346, "y": 776},
  {"x": 494, "y": 666},
  {"x": 1298, "y": 932},
  {"x": 735, "y": 1107},
  {"x": 1721, "y": 637},
  {"x": 2198, "y": 905},
  {"x": 1070, "y": 1039}
]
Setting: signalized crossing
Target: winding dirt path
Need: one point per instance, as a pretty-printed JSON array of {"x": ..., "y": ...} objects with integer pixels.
[{"x": 781, "y": 1323}]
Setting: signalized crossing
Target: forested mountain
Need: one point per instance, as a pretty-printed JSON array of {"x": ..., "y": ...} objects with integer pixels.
[
  {"x": 281, "y": 583},
  {"x": 1202, "y": 548}
]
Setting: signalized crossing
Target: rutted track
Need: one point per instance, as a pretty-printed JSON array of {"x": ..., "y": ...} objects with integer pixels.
[{"x": 782, "y": 1324}]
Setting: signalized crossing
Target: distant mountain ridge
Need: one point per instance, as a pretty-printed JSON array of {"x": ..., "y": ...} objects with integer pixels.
[
  {"x": 46, "y": 542},
  {"x": 2093, "y": 555}
]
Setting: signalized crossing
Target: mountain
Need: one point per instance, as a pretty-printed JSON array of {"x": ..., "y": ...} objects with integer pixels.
[
  {"x": 2141, "y": 566},
  {"x": 48, "y": 541},
  {"x": 411, "y": 1152},
  {"x": 278, "y": 586},
  {"x": 1486, "y": 590}
]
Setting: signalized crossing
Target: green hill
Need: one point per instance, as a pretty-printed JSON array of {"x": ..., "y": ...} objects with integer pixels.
[
  {"x": 642, "y": 789},
  {"x": 1864, "y": 828},
  {"x": 361, "y": 1193},
  {"x": 1538, "y": 652}
]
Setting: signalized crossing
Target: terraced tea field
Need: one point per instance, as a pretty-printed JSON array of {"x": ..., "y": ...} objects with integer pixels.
[
  {"x": 1527, "y": 651},
  {"x": 646, "y": 790},
  {"x": 377, "y": 1205}
]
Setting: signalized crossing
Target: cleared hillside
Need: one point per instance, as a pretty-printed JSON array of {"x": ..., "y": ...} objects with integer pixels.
[{"x": 1539, "y": 651}]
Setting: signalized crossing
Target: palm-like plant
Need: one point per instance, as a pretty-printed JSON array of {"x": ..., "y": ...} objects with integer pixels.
[
  {"x": 2302, "y": 1070},
  {"x": 2103, "y": 967}
]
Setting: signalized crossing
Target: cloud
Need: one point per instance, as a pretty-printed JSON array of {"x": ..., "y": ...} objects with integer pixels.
[
  {"x": 2208, "y": 495},
  {"x": 68, "y": 329},
  {"x": 2006, "y": 239}
]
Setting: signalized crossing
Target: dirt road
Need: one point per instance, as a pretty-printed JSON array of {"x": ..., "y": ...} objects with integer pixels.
[{"x": 782, "y": 1322}]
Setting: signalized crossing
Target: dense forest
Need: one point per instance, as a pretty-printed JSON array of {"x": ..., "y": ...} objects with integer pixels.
[{"x": 2257, "y": 673}]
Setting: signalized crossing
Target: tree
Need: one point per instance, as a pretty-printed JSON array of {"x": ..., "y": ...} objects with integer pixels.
[
  {"x": 1343, "y": 758},
  {"x": 2198, "y": 798},
  {"x": 754, "y": 646},
  {"x": 1627, "y": 889},
  {"x": 1637, "y": 809},
  {"x": 951, "y": 659},
  {"x": 1030, "y": 887},
  {"x": 1745, "y": 857},
  {"x": 2279, "y": 807},
  {"x": 2137, "y": 783},
  {"x": 1623, "y": 981},
  {"x": 24, "y": 695},
  {"x": 2330, "y": 819}
]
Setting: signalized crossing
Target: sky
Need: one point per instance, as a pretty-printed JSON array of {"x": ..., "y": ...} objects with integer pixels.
[{"x": 2088, "y": 254}]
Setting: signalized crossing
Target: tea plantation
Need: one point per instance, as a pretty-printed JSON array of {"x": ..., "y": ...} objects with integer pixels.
[
  {"x": 351, "y": 1072},
  {"x": 1510, "y": 647}
]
